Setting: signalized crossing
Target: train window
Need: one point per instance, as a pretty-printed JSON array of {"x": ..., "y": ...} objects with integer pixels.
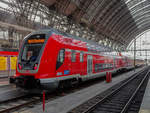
[
  {"x": 104, "y": 66},
  {"x": 107, "y": 66},
  {"x": 111, "y": 66},
  {"x": 73, "y": 56},
  {"x": 81, "y": 57},
  {"x": 96, "y": 67},
  {"x": 99, "y": 67},
  {"x": 31, "y": 52},
  {"x": 60, "y": 58}
]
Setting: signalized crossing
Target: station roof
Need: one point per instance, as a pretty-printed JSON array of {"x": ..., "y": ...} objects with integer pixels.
[{"x": 120, "y": 20}]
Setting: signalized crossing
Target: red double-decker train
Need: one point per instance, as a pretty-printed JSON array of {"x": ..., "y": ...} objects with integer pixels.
[{"x": 49, "y": 59}]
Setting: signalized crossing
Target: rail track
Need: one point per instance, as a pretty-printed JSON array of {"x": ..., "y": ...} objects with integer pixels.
[
  {"x": 120, "y": 100},
  {"x": 16, "y": 103},
  {"x": 31, "y": 100},
  {"x": 8, "y": 106}
]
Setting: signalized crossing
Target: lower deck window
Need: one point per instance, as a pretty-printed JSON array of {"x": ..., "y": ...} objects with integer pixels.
[{"x": 100, "y": 67}]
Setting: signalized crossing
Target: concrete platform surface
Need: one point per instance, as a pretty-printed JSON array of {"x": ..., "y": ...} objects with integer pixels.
[
  {"x": 145, "y": 106},
  {"x": 4, "y": 82},
  {"x": 11, "y": 94},
  {"x": 6, "y": 74},
  {"x": 70, "y": 101},
  {"x": 7, "y": 88}
]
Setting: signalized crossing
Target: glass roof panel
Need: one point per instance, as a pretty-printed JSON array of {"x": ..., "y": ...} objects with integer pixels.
[{"x": 142, "y": 44}]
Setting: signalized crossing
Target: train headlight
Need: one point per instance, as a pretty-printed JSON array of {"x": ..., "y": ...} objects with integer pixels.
[
  {"x": 35, "y": 66},
  {"x": 20, "y": 66}
]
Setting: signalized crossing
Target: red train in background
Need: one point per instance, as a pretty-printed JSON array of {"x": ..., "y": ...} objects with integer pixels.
[
  {"x": 49, "y": 59},
  {"x": 8, "y": 58},
  {"x": 8, "y": 52}
]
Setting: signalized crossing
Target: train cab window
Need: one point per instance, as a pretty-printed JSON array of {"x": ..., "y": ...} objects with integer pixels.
[
  {"x": 60, "y": 58},
  {"x": 73, "y": 56},
  {"x": 31, "y": 52},
  {"x": 32, "y": 48},
  {"x": 81, "y": 57}
]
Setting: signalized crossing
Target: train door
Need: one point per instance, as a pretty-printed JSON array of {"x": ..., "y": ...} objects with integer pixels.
[
  {"x": 82, "y": 69},
  {"x": 73, "y": 62},
  {"x": 89, "y": 64},
  {"x": 114, "y": 61}
]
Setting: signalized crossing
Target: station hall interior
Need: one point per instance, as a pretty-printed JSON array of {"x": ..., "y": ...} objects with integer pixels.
[{"x": 78, "y": 49}]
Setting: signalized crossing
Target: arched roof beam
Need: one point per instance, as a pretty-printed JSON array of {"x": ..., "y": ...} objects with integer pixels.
[
  {"x": 117, "y": 11},
  {"x": 140, "y": 9},
  {"x": 127, "y": 29},
  {"x": 146, "y": 29},
  {"x": 140, "y": 21},
  {"x": 136, "y": 33},
  {"x": 142, "y": 17},
  {"x": 141, "y": 14},
  {"x": 121, "y": 42},
  {"x": 117, "y": 17},
  {"x": 121, "y": 22},
  {"x": 103, "y": 8},
  {"x": 134, "y": 3},
  {"x": 144, "y": 26},
  {"x": 126, "y": 25},
  {"x": 139, "y": 6},
  {"x": 111, "y": 12},
  {"x": 144, "y": 23},
  {"x": 143, "y": 20}
]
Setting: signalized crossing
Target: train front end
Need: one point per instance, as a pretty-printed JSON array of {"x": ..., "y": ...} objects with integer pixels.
[{"x": 30, "y": 62}]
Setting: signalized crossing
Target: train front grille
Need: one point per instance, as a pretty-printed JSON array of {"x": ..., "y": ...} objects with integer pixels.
[{"x": 27, "y": 82}]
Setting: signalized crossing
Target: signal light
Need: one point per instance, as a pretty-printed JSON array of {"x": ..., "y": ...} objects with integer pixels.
[
  {"x": 35, "y": 66},
  {"x": 20, "y": 66}
]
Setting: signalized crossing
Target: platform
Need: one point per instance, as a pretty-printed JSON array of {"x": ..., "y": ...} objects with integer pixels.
[
  {"x": 10, "y": 92},
  {"x": 4, "y": 82},
  {"x": 145, "y": 106},
  {"x": 6, "y": 74},
  {"x": 68, "y": 102}
]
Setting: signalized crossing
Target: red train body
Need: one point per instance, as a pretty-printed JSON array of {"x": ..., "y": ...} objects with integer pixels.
[
  {"x": 48, "y": 59},
  {"x": 8, "y": 52}
]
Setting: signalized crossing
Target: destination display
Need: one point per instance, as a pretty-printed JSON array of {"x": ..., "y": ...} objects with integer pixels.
[{"x": 34, "y": 41}]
